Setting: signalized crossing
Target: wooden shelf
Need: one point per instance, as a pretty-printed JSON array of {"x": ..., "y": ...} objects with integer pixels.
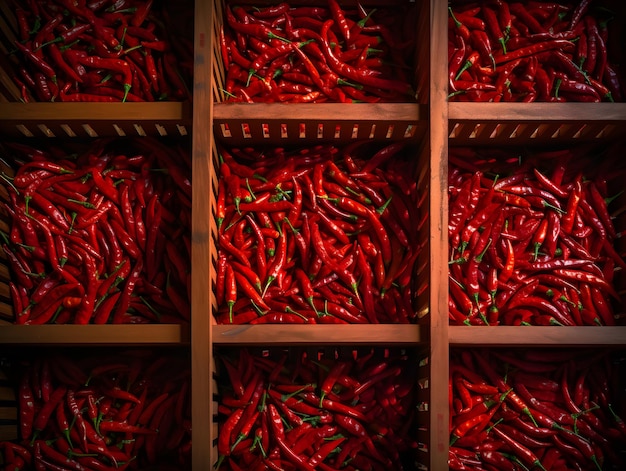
[
  {"x": 546, "y": 112},
  {"x": 380, "y": 334},
  {"x": 536, "y": 336},
  {"x": 534, "y": 123},
  {"x": 273, "y": 123},
  {"x": 64, "y": 120},
  {"x": 95, "y": 335}
]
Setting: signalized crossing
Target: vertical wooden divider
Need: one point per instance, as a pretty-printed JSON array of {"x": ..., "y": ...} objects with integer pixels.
[
  {"x": 201, "y": 385},
  {"x": 438, "y": 132}
]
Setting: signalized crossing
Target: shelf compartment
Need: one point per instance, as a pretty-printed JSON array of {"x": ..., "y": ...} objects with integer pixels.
[
  {"x": 566, "y": 259},
  {"x": 407, "y": 369},
  {"x": 386, "y": 255},
  {"x": 417, "y": 77},
  {"x": 576, "y": 393},
  {"x": 114, "y": 382},
  {"x": 91, "y": 120},
  {"x": 109, "y": 248},
  {"x": 525, "y": 61},
  {"x": 167, "y": 76}
]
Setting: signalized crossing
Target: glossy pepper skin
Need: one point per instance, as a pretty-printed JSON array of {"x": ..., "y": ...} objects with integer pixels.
[
  {"x": 323, "y": 212},
  {"x": 559, "y": 382},
  {"x": 557, "y": 247},
  {"x": 95, "y": 244},
  {"x": 71, "y": 56},
  {"x": 285, "y": 393},
  {"x": 352, "y": 70},
  {"x": 553, "y": 40}
]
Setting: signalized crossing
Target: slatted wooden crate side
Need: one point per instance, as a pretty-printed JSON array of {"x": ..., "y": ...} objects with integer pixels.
[
  {"x": 6, "y": 304},
  {"x": 274, "y": 123},
  {"x": 93, "y": 120},
  {"x": 8, "y": 408}
]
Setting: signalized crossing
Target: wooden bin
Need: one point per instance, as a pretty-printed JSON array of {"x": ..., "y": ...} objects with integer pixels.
[
  {"x": 413, "y": 363},
  {"x": 284, "y": 124}
]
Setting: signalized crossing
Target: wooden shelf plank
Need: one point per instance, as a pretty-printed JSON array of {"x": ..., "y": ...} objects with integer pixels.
[
  {"x": 545, "y": 112},
  {"x": 536, "y": 336},
  {"x": 94, "y": 335},
  {"x": 375, "y": 334},
  {"x": 374, "y": 112},
  {"x": 161, "y": 111},
  {"x": 95, "y": 119}
]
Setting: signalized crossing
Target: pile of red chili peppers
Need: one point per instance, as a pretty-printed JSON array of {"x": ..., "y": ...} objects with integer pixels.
[
  {"x": 317, "y": 235},
  {"x": 100, "y": 51},
  {"x": 318, "y": 54},
  {"x": 101, "y": 235},
  {"x": 532, "y": 51},
  {"x": 550, "y": 410},
  {"x": 531, "y": 237},
  {"x": 297, "y": 411},
  {"x": 93, "y": 414}
]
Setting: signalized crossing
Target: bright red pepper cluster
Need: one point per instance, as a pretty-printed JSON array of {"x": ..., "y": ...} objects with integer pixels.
[
  {"x": 536, "y": 409},
  {"x": 293, "y": 410},
  {"x": 318, "y": 54},
  {"x": 96, "y": 414},
  {"x": 101, "y": 51},
  {"x": 532, "y": 240},
  {"x": 533, "y": 51},
  {"x": 317, "y": 235},
  {"x": 101, "y": 235}
]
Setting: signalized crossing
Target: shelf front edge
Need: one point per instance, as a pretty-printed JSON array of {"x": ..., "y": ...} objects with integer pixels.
[
  {"x": 536, "y": 336},
  {"x": 76, "y": 335},
  {"x": 375, "y": 334}
]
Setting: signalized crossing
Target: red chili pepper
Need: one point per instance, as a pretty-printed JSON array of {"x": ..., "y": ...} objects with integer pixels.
[
  {"x": 27, "y": 407},
  {"x": 461, "y": 29},
  {"x": 578, "y": 13},
  {"x": 340, "y": 19},
  {"x": 115, "y": 65},
  {"x": 41, "y": 64},
  {"x": 363, "y": 76}
]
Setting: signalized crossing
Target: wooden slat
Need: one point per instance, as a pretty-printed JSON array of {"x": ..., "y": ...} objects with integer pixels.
[
  {"x": 8, "y": 413},
  {"x": 438, "y": 412},
  {"x": 7, "y": 393},
  {"x": 92, "y": 335},
  {"x": 386, "y": 334},
  {"x": 6, "y": 312},
  {"x": 105, "y": 119},
  {"x": 6, "y": 11},
  {"x": 4, "y": 291},
  {"x": 544, "y": 336},
  {"x": 202, "y": 250},
  {"x": 8, "y": 432},
  {"x": 4, "y": 270},
  {"x": 540, "y": 112}
]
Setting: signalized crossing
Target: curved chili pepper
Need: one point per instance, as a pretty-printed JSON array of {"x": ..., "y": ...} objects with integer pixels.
[
  {"x": 38, "y": 62},
  {"x": 115, "y": 65}
]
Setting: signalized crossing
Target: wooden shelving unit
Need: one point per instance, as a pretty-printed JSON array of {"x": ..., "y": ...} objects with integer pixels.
[{"x": 432, "y": 124}]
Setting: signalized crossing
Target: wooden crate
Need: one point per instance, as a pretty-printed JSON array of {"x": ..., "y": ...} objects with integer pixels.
[
  {"x": 284, "y": 124},
  {"x": 416, "y": 367}
]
